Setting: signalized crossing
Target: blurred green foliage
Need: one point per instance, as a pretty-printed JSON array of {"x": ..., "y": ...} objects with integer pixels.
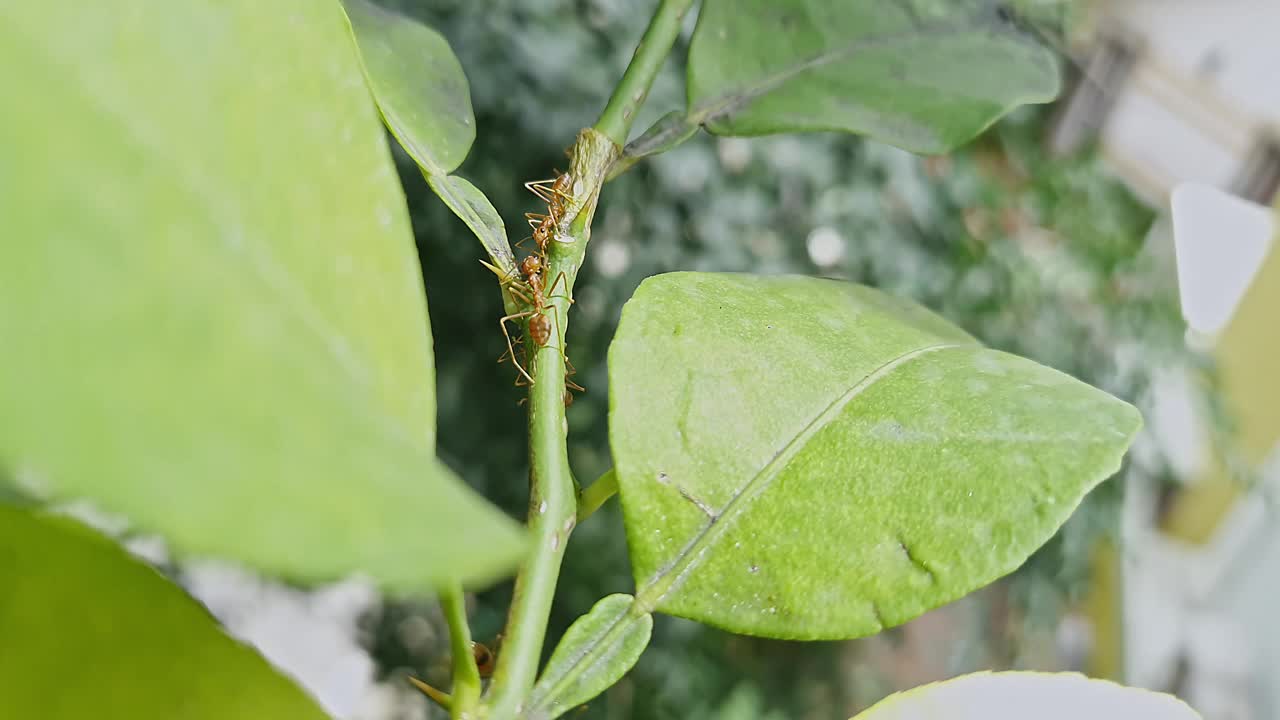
[{"x": 1038, "y": 256}]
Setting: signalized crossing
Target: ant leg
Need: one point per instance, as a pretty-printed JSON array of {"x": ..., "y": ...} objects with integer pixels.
[
  {"x": 520, "y": 381},
  {"x": 551, "y": 291},
  {"x": 510, "y": 347},
  {"x": 570, "y": 371},
  {"x": 521, "y": 292},
  {"x": 541, "y": 188},
  {"x": 555, "y": 318}
]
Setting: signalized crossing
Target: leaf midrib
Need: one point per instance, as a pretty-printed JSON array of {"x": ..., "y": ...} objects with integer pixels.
[
  {"x": 670, "y": 577},
  {"x": 730, "y": 102}
]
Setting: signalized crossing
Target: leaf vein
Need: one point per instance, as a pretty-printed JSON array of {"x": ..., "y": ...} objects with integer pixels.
[{"x": 672, "y": 575}]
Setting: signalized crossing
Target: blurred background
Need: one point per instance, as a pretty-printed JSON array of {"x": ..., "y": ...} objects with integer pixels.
[{"x": 1051, "y": 236}]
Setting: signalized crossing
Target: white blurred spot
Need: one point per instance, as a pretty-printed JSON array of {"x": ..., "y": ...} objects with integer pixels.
[
  {"x": 612, "y": 258},
  {"x": 150, "y": 548},
  {"x": 734, "y": 153},
  {"x": 93, "y": 516},
  {"x": 826, "y": 246},
  {"x": 310, "y": 636},
  {"x": 1220, "y": 242}
]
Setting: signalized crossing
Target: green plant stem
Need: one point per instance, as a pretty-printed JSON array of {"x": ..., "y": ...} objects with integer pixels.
[
  {"x": 466, "y": 676},
  {"x": 615, "y": 122},
  {"x": 552, "y": 492},
  {"x": 597, "y": 494}
]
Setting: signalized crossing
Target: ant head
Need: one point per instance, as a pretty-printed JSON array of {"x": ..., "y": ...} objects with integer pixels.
[{"x": 531, "y": 265}]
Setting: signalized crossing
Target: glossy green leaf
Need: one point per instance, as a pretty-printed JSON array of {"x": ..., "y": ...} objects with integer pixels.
[
  {"x": 468, "y": 203},
  {"x": 210, "y": 300},
  {"x": 423, "y": 94},
  {"x": 90, "y": 632},
  {"x": 925, "y": 75},
  {"x": 418, "y": 83},
  {"x": 1021, "y": 695},
  {"x": 806, "y": 458},
  {"x": 595, "y": 652}
]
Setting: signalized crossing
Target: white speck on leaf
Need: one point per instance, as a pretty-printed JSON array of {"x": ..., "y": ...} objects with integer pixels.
[{"x": 987, "y": 364}]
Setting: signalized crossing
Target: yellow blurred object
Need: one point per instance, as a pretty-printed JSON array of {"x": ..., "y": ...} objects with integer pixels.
[
  {"x": 1103, "y": 606},
  {"x": 1247, "y": 353}
]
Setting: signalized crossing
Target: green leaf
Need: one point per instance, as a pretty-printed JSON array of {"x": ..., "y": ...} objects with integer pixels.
[
  {"x": 1019, "y": 695},
  {"x": 213, "y": 315},
  {"x": 925, "y": 75},
  {"x": 468, "y": 203},
  {"x": 667, "y": 133},
  {"x": 418, "y": 83},
  {"x": 90, "y": 632},
  {"x": 595, "y": 652},
  {"x": 423, "y": 94},
  {"x": 806, "y": 458}
]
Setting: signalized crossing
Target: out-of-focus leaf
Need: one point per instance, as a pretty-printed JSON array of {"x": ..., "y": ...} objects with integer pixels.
[
  {"x": 1019, "y": 695},
  {"x": 805, "y": 458},
  {"x": 91, "y": 632},
  {"x": 422, "y": 92},
  {"x": 925, "y": 75},
  {"x": 210, "y": 299},
  {"x": 595, "y": 652}
]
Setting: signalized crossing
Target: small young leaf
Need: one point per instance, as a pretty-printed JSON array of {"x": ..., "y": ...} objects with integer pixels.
[
  {"x": 920, "y": 74},
  {"x": 668, "y": 132},
  {"x": 805, "y": 458},
  {"x": 423, "y": 94},
  {"x": 210, "y": 301},
  {"x": 595, "y": 652},
  {"x": 91, "y": 632},
  {"x": 1020, "y": 695}
]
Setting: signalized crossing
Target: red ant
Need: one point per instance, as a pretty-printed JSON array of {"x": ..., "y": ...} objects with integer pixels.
[
  {"x": 531, "y": 288},
  {"x": 554, "y": 193},
  {"x": 533, "y": 293}
]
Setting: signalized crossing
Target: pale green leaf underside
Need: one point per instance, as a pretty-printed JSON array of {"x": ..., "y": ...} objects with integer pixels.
[
  {"x": 89, "y": 632},
  {"x": 213, "y": 317},
  {"x": 424, "y": 98},
  {"x": 805, "y": 458},
  {"x": 468, "y": 203},
  {"x": 595, "y": 652},
  {"x": 1021, "y": 695},
  {"x": 925, "y": 75}
]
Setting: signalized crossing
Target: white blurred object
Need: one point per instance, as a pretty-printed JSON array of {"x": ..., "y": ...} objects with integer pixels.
[
  {"x": 310, "y": 636},
  {"x": 1219, "y": 671},
  {"x": 1220, "y": 242},
  {"x": 1175, "y": 422}
]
